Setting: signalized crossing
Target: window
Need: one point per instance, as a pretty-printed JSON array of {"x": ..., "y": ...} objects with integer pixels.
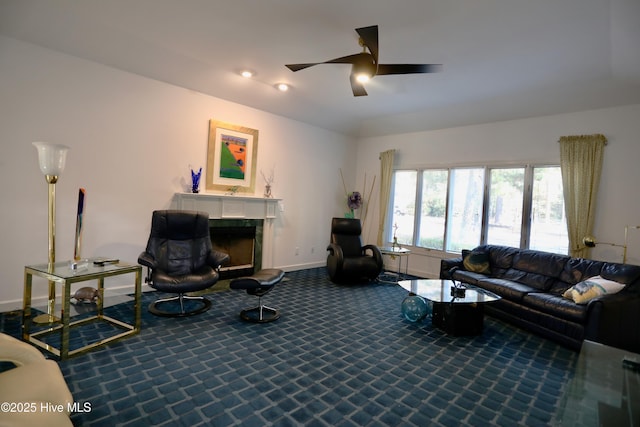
[
  {"x": 460, "y": 208},
  {"x": 433, "y": 208},
  {"x": 404, "y": 206},
  {"x": 548, "y": 220},
  {"x": 506, "y": 196},
  {"x": 465, "y": 209}
]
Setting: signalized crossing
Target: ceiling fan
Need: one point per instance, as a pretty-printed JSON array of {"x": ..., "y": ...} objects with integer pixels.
[{"x": 365, "y": 64}]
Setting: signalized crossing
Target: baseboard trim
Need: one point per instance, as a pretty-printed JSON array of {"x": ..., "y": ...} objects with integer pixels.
[{"x": 304, "y": 266}]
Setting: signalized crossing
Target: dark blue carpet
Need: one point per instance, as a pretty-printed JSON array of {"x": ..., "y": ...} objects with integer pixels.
[{"x": 338, "y": 356}]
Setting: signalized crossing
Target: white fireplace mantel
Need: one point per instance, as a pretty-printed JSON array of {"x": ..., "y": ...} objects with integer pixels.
[
  {"x": 227, "y": 206},
  {"x": 223, "y": 206}
]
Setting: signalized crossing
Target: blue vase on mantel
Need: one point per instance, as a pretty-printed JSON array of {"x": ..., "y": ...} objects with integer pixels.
[{"x": 195, "y": 180}]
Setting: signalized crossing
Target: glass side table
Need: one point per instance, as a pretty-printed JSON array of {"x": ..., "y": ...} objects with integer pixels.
[
  {"x": 604, "y": 389},
  {"x": 61, "y": 274},
  {"x": 393, "y": 252}
]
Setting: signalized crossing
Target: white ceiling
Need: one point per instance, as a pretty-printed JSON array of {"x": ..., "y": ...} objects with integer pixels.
[{"x": 502, "y": 59}]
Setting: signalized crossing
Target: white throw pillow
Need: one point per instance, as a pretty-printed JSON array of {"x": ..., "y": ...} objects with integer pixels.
[{"x": 585, "y": 291}]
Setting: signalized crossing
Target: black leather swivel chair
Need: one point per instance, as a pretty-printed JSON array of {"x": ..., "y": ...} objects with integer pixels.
[
  {"x": 348, "y": 259},
  {"x": 179, "y": 259}
]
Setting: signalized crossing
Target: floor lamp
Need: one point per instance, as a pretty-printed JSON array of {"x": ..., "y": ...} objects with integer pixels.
[
  {"x": 51, "y": 158},
  {"x": 591, "y": 242},
  {"x": 626, "y": 240}
]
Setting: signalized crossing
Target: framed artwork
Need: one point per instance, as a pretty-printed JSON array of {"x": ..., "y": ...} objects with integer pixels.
[{"x": 231, "y": 157}]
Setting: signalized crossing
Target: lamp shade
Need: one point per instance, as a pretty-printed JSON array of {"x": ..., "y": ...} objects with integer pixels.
[{"x": 51, "y": 157}]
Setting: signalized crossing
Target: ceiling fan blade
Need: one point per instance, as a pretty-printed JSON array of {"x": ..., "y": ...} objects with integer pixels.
[
  {"x": 349, "y": 59},
  {"x": 356, "y": 87},
  {"x": 385, "y": 69},
  {"x": 369, "y": 36},
  {"x": 298, "y": 67}
]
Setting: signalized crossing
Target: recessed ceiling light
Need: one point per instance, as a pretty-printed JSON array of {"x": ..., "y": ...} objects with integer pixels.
[
  {"x": 246, "y": 74},
  {"x": 282, "y": 87}
]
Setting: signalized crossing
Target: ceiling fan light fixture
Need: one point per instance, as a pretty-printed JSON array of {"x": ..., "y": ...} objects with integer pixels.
[
  {"x": 365, "y": 65},
  {"x": 363, "y": 77},
  {"x": 363, "y": 68}
]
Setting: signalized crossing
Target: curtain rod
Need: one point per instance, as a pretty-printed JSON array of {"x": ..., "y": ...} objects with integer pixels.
[{"x": 576, "y": 137}]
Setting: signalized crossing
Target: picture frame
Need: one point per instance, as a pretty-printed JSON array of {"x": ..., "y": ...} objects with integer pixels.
[{"x": 232, "y": 155}]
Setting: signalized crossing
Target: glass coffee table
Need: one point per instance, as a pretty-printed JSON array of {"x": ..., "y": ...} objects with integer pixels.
[{"x": 457, "y": 309}]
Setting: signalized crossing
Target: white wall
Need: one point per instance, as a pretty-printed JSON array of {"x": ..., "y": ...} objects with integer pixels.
[
  {"x": 525, "y": 141},
  {"x": 132, "y": 141}
]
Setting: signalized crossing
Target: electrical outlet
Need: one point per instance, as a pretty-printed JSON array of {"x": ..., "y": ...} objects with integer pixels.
[
  {"x": 297, "y": 250},
  {"x": 313, "y": 249}
]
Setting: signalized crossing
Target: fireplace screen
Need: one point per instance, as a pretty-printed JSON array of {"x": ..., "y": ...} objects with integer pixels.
[{"x": 238, "y": 240}]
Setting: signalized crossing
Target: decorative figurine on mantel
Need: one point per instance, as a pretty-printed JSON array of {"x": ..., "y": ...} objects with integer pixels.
[
  {"x": 267, "y": 183},
  {"x": 195, "y": 180}
]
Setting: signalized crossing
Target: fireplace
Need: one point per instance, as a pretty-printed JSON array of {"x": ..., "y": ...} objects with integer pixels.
[
  {"x": 241, "y": 239},
  {"x": 238, "y": 211}
]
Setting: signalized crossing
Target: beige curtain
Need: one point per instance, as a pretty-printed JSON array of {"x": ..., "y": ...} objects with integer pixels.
[
  {"x": 581, "y": 164},
  {"x": 386, "y": 173}
]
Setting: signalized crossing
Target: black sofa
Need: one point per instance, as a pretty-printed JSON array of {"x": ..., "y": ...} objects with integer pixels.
[{"x": 531, "y": 284}]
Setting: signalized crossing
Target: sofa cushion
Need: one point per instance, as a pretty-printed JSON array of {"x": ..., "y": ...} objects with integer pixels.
[
  {"x": 578, "y": 269},
  {"x": 556, "y": 306},
  {"x": 622, "y": 273},
  {"x": 468, "y": 276},
  {"x": 538, "y": 282},
  {"x": 544, "y": 263},
  {"x": 507, "y": 289},
  {"x": 476, "y": 261},
  {"x": 500, "y": 257},
  {"x": 541, "y": 269},
  {"x": 585, "y": 291}
]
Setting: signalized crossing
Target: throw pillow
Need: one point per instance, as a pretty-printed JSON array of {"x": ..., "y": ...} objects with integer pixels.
[
  {"x": 476, "y": 261},
  {"x": 585, "y": 291}
]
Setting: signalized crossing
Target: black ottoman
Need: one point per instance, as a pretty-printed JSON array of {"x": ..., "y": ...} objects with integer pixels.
[{"x": 259, "y": 284}]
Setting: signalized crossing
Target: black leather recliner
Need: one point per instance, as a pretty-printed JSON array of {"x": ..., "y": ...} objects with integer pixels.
[
  {"x": 179, "y": 259},
  {"x": 348, "y": 259}
]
